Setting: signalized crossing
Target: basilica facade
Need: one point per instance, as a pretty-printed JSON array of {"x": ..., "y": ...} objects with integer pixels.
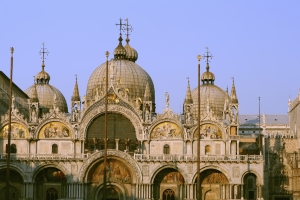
[{"x": 56, "y": 154}]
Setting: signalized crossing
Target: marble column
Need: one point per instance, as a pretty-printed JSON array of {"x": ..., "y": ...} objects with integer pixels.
[
  {"x": 133, "y": 192},
  {"x": 237, "y": 148},
  {"x": 117, "y": 144}
]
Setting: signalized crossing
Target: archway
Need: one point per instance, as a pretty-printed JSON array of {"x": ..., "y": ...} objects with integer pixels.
[
  {"x": 119, "y": 178},
  {"x": 250, "y": 191},
  {"x": 213, "y": 184},
  {"x": 16, "y": 188},
  {"x": 50, "y": 184},
  {"x": 112, "y": 193},
  {"x": 168, "y": 185}
]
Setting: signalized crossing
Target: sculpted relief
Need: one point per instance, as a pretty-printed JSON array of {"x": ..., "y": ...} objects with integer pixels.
[
  {"x": 115, "y": 171},
  {"x": 166, "y": 130},
  {"x": 18, "y": 131},
  {"x": 55, "y": 130},
  {"x": 209, "y": 131}
]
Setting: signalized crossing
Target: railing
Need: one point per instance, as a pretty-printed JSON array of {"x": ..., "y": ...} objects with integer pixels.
[
  {"x": 139, "y": 157},
  {"x": 30, "y": 157},
  {"x": 193, "y": 158}
]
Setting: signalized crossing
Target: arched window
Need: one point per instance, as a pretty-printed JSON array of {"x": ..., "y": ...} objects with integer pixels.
[
  {"x": 166, "y": 149},
  {"x": 54, "y": 148},
  {"x": 207, "y": 149},
  {"x": 169, "y": 195},
  {"x": 13, "y": 148},
  {"x": 51, "y": 194}
]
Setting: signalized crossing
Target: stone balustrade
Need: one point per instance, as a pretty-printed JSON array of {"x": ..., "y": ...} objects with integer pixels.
[
  {"x": 139, "y": 157},
  {"x": 37, "y": 157},
  {"x": 193, "y": 158}
]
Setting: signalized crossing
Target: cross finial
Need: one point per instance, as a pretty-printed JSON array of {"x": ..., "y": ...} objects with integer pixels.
[
  {"x": 232, "y": 79},
  {"x": 76, "y": 77},
  {"x": 128, "y": 28},
  {"x": 42, "y": 52},
  {"x": 120, "y": 25},
  {"x": 188, "y": 80},
  {"x": 207, "y": 55}
]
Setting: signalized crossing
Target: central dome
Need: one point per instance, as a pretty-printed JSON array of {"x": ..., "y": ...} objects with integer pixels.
[{"x": 125, "y": 74}]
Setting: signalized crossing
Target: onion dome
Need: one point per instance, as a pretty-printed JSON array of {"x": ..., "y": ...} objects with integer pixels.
[
  {"x": 211, "y": 96},
  {"x": 46, "y": 94},
  {"x": 120, "y": 52},
  {"x": 127, "y": 75},
  {"x": 131, "y": 53}
]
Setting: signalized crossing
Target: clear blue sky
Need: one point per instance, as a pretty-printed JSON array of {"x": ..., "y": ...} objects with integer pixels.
[{"x": 256, "y": 42}]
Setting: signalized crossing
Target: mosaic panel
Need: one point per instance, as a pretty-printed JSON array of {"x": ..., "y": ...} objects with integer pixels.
[
  {"x": 115, "y": 171},
  {"x": 209, "y": 131},
  {"x": 54, "y": 130},
  {"x": 166, "y": 130},
  {"x": 18, "y": 131}
]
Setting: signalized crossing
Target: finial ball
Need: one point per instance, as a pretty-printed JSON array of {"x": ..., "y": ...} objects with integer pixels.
[
  {"x": 107, "y": 53},
  {"x": 199, "y": 57},
  {"x": 12, "y": 49}
]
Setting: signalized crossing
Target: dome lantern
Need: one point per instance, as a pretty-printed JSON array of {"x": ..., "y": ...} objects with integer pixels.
[{"x": 120, "y": 52}]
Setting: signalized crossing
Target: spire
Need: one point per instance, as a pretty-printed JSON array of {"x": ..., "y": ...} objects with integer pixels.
[
  {"x": 43, "y": 77},
  {"x": 188, "y": 97},
  {"x": 131, "y": 53},
  {"x": 227, "y": 95},
  {"x": 208, "y": 77},
  {"x": 75, "y": 96},
  {"x": 120, "y": 52},
  {"x": 34, "y": 98},
  {"x": 207, "y": 56},
  {"x": 128, "y": 28},
  {"x": 147, "y": 95},
  {"x": 233, "y": 93},
  {"x": 42, "y": 52}
]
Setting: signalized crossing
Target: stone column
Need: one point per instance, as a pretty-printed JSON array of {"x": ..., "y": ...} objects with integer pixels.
[
  {"x": 148, "y": 147},
  {"x": 235, "y": 191},
  {"x": 237, "y": 148},
  {"x": 226, "y": 148},
  {"x": 74, "y": 148},
  {"x": 133, "y": 192},
  {"x": 260, "y": 191},
  {"x": 117, "y": 144},
  {"x": 28, "y": 193},
  {"x": 221, "y": 192},
  {"x": 184, "y": 147}
]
